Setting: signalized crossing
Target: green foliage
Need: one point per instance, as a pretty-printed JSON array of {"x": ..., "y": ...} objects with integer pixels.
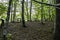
[
  {"x": 2, "y": 9},
  {"x": 9, "y": 36},
  {"x": 36, "y": 9}
]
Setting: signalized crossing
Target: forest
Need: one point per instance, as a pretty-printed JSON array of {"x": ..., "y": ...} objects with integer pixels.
[{"x": 29, "y": 19}]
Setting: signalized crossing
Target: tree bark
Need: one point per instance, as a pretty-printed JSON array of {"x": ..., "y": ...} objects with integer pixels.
[
  {"x": 23, "y": 21},
  {"x": 57, "y": 30},
  {"x": 7, "y": 21},
  {"x": 27, "y": 10},
  {"x": 30, "y": 9},
  {"x": 11, "y": 13},
  {"x": 14, "y": 15},
  {"x": 42, "y": 12}
]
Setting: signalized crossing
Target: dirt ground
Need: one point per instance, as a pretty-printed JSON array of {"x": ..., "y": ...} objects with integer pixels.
[{"x": 33, "y": 31}]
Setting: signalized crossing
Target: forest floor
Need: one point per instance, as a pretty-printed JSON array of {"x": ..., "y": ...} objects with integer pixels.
[{"x": 33, "y": 31}]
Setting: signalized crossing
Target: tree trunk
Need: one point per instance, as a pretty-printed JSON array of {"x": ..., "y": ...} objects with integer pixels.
[
  {"x": 57, "y": 30},
  {"x": 49, "y": 2},
  {"x": 30, "y": 9},
  {"x": 27, "y": 9},
  {"x": 11, "y": 13},
  {"x": 7, "y": 21},
  {"x": 42, "y": 12},
  {"x": 14, "y": 15},
  {"x": 1, "y": 28},
  {"x": 23, "y": 21}
]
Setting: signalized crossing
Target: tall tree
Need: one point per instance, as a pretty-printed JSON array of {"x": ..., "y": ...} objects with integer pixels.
[
  {"x": 42, "y": 12},
  {"x": 57, "y": 30},
  {"x": 23, "y": 21},
  {"x": 14, "y": 15},
  {"x": 30, "y": 9},
  {"x": 27, "y": 9},
  {"x": 7, "y": 21},
  {"x": 49, "y": 2},
  {"x": 11, "y": 13}
]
